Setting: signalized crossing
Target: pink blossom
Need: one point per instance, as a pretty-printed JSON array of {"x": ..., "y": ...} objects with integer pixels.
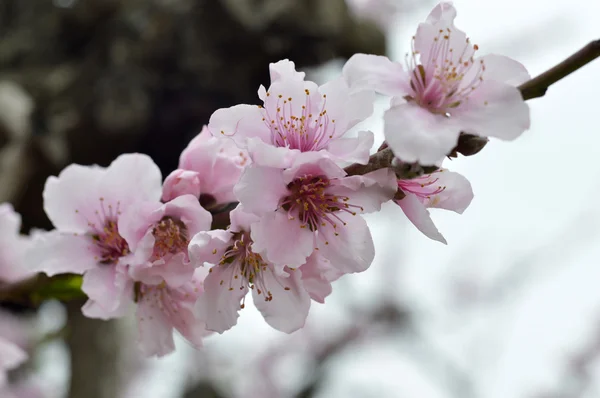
[
  {"x": 12, "y": 247},
  {"x": 278, "y": 291},
  {"x": 208, "y": 168},
  {"x": 298, "y": 117},
  {"x": 442, "y": 189},
  {"x": 85, "y": 204},
  {"x": 158, "y": 236},
  {"x": 314, "y": 206},
  {"x": 161, "y": 308},
  {"x": 444, "y": 90}
]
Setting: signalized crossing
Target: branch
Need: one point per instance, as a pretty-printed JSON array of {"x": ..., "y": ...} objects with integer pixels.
[
  {"x": 25, "y": 292},
  {"x": 538, "y": 86}
]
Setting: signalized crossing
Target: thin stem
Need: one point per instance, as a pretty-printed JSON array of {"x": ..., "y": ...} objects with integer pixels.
[{"x": 538, "y": 86}]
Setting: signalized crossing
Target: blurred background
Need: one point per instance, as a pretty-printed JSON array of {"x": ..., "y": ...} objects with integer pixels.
[{"x": 510, "y": 308}]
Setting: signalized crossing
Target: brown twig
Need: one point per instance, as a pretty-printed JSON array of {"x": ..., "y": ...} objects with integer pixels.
[{"x": 538, "y": 86}]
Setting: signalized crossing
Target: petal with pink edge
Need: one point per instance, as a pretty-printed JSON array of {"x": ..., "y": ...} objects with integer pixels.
[
  {"x": 266, "y": 154},
  {"x": 218, "y": 307},
  {"x": 133, "y": 226},
  {"x": 260, "y": 189},
  {"x": 208, "y": 247},
  {"x": 429, "y": 36},
  {"x": 281, "y": 240},
  {"x": 239, "y": 122},
  {"x": 503, "y": 69},
  {"x": 495, "y": 109},
  {"x": 349, "y": 247},
  {"x": 352, "y": 149},
  {"x": 187, "y": 209},
  {"x": 155, "y": 332},
  {"x": 131, "y": 178},
  {"x": 443, "y": 12},
  {"x": 285, "y": 69},
  {"x": 108, "y": 288},
  {"x": 92, "y": 309},
  {"x": 288, "y": 308},
  {"x": 71, "y": 199},
  {"x": 345, "y": 108},
  {"x": 317, "y": 275},
  {"x": 419, "y": 216},
  {"x": 378, "y": 73},
  {"x": 457, "y": 194},
  {"x": 368, "y": 192},
  {"x": 181, "y": 182},
  {"x": 56, "y": 252},
  {"x": 417, "y": 135},
  {"x": 241, "y": 220}
]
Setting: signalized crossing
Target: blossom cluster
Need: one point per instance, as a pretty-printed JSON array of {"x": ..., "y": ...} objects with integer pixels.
[{"x": 295, "y": 224}]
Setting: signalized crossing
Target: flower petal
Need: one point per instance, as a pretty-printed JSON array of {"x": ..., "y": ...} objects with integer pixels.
[
  {"x": 109, "y": 289},
  {"x": 71, "y": 198},
  {"x": 265, "y": 154},
  {"x": 285, "y": 70},
  {"x": 281, "y": 240},
  {"x": 239, "y": 122},
  {"x": 457, "y": 194},
  {"x": 288, "y": 308},
  {"x": 494, "y": 109},
  {"x": 260, "y": 189},
  {"x": 130, "y": 178},
  {"x": 419, "y": 216},
  {"x": 218, "y": 307},
  {"x": 187, "y": 209},
  {"x": 345, "y": 108},
  {"x": 181, "y": 182},
  {"x": 503, "y": 69},
  {"x": 417, "y": 135},
  {"x": 317, "y": 275},
  {"x": 241, "y": 220},
  {"x": 155, "y": 332},
  {"x": 349, "y": 247},
  {"x": 352, "y": 149},
  {"x": 378, "y": 73},
  {"x": 367, "y": 192},
  {"x": 56, "y": 252},
  {"x": 443, "y": 12},
  {"x": 208, "y": 247}
]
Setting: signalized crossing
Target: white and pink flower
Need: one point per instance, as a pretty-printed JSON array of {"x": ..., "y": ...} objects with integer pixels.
[
  {"x": 442, "y": 189},
  {"x": 445, "y": 90},
  {"x": 162, "y": 308},
  {"x": 297, "y": 117},
  {"x": 166, "y": 283},
  {"x": 209, "y": 167},
  {"x": 314, "y": 206},
  {"x": 278, "y": 291},
  {"x": 85, "y": 204}
]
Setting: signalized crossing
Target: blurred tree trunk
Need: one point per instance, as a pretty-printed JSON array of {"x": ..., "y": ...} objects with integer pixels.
[{"x": 94, "y": 347}]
